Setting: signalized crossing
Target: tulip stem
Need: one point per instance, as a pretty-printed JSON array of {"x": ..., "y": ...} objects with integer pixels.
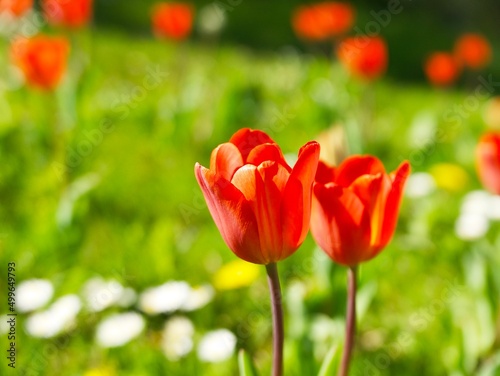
[
  {"x": 350, "y": 328},
  {"x": 278, "y": 332}
]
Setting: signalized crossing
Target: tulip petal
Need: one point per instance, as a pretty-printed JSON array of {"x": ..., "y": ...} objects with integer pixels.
[
  {"x": 267, "y": 152},
  {"x": 262, "y": 186},
  {"x": 225, "y": 160},
  {"x": 340, "y": 224},
  {"x": 325, "y": 173},
  {"x": 373, "y": 190},
  {"x": 367, "y": 188},
  {"x": 244, "y": 181},
  {"x": 398, "y": 179},
  {"x": 232, "y": 214},
  {"x": 297, "y": 195},
  {"x": 270, "y": 183},
  {"x": 353, "y": 167},
  {"x": 247, "y": 139}
]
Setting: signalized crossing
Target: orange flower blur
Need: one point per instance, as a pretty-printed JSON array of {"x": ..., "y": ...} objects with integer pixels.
[
  {"x": 16, "y": 7},
  {"x": 323, "y": 20},
  {"x": 441, "y": 69},
  {"x": 364, "y": 57},
  {"x": 260, "y": 204},
  {"x": 68, "y": 13},
  {"x": 488, "y": 161},
  {"x": 42, "y": 59},
  {"x": 172, "y": 20},
  {"x": 355, "y": 208},
  {"x": 473, "y": 51}
]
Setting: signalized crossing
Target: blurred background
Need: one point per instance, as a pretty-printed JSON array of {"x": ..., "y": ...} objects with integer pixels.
[
  {"x": 119, "y": 267},
  {"x": 423, "y": 26}
]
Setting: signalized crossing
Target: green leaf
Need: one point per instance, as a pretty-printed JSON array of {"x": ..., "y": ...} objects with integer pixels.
[
  {"x": 331, "y": 361},
  {"x": 245, "y": 364}
]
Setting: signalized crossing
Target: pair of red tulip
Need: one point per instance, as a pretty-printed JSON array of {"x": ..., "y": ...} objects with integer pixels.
[
  {"x": 263, "y": 209},
  {"x": 262, "y": 206}
]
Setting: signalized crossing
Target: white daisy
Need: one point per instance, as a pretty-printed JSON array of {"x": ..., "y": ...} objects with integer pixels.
[
  {"x": 177, "y": 338},
  {"x": 33, "y": 294},
  {"x": 420, "y": 184},
  {"x": 57, "y": 318},
  {"x": 476, "y": 202},
  {"x": 100, "y": 294},
  {"x": 471, "y": 226},
  {"x": 198, "y": 298},
  {"x": 119, "y": 329},
  {"x": 216, "y": 346},
  {"x": 166, "y": 298}
]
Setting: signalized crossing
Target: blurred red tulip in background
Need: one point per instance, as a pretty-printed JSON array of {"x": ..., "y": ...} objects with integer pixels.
[
  {"x": 68, "y": 13},
  {"x": 16, "y": 7},
  {"x": 488, "y": 161},
  {"x": 473, "y": 51},
  {"x": 172, "y": 20},
  {"x": 260, "y": 205},
  {"x": 42, "y": 59},
  {"x": 364, "y": 57},
  {"x": 441, "y": 69},
  {"x": 355, "y": 208},
  {"x": 322, "y": 20}
]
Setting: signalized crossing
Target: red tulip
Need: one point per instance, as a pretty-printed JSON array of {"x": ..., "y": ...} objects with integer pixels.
[
  {"x": 16, "y": 7},
  {"x": 355, "y": 208},
  {"x": 172, "y": 20},
  {"x": 441, "y": 69},
  {"x": 364, "y": 57},
  {"x": 488, "y": 161},
  {"x": 260, "y": 205},
  {"x": 68, "y": 13},
  {"x": 473, "y": 50},
  {"x": 42, "y": 59},
  {"x": 323, "y": 20}
]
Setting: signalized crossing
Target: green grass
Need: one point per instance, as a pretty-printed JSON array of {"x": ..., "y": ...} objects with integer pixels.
[{"x": 143, "y": 221}]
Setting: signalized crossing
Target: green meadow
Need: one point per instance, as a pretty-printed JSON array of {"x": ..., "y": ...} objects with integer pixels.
[{"x": 97, "y": 180}]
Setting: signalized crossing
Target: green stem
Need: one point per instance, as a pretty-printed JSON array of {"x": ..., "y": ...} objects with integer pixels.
[
  {"x": 278, "y": 332},
  {"x": 350, "y": 328}
]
